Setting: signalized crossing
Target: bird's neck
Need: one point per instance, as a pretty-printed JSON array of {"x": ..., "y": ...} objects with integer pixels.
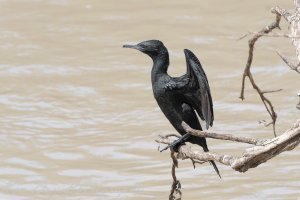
[{"x": 160, "y": 66}]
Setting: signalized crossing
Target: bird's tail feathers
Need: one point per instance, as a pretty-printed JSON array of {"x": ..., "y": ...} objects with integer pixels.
[
  {"x": 212, "y": 162},
  {"x": 215, "y": 167}
]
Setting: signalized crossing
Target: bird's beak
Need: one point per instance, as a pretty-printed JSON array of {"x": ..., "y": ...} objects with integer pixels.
[
  {"x": 129, "y": 46},
  {"x": 137, "y": 47}
]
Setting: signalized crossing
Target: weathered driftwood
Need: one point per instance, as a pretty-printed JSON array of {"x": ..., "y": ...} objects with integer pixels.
[{"x": 264, "y": 150}]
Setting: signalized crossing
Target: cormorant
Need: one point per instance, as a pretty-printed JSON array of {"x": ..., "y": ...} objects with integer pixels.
[{"x": 180, "y": 97}]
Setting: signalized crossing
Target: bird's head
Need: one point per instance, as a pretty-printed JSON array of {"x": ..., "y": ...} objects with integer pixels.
[{"x": 152, "y": 48}]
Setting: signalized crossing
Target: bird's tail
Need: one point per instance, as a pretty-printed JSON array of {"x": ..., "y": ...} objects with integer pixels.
[
  {"x": 212, "y": 162},
  {"x": 202, "y": 142},
  {"x": 215, "y": 167}
]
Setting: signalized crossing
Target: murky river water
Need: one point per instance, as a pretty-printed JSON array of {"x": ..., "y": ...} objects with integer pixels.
[{"x": 78, "y": 120}]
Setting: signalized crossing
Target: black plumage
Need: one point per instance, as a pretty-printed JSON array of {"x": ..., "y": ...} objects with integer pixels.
[{"x": 180, "y": 97}]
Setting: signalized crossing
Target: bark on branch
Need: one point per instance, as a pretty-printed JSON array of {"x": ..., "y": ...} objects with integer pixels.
[{"x": 264, "y": 150}]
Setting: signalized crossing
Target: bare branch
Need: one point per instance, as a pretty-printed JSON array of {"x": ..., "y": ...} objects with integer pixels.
[
  {"x": 268, "y": 35},
  {"x": 293, "y": 19},
  {"x": 271, "y": 91},
  {"x": 252, "y": 157},
  {"x": 175, "y": 192},
  {"x": 245, "y": 35},
  {"x": 222, "y": 136},
  {"x": 282, "y": 12},
  {"x": 247, "y": 72},
  {"x": 266, "y": 124}
]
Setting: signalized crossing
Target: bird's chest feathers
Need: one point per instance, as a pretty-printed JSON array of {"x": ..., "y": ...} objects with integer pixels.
[{"x": 160, "y": 90}]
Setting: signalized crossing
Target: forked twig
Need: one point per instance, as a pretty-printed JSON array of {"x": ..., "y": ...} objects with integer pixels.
[{"x": 247, "y": 72}]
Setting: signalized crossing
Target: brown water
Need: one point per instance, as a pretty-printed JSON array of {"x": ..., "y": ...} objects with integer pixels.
[{"x": 78, "y": 120}]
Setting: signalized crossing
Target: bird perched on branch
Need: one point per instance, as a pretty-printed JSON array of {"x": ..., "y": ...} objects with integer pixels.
[{"x": 180, "y": 97}]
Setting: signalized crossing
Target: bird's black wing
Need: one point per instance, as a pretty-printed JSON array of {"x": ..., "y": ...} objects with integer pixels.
[{"x": 197, "y": 94}]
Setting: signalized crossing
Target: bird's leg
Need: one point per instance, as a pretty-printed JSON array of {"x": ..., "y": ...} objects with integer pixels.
[{"x": 176, "y": 144}]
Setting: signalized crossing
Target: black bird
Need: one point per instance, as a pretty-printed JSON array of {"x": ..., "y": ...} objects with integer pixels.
[{"x": 180, "y": 97}]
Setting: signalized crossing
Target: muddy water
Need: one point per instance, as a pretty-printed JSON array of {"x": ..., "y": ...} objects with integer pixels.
[{"x": 78, "y": 120}]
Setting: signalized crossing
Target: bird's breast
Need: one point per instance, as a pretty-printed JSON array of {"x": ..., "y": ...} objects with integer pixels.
[
  {"x": 161, "y": 92},
  {"x": 165, "y": 97}
]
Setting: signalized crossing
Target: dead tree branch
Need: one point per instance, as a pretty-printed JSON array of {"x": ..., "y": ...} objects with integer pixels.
[
  {"x": 293, "y": 19},
  {"x": 269, "y": 35},
  {"x": 175, "y": 192},
  {"x": 247, "y": 72},
  {"x": 223, "y": 136},
  {"x": 264, "y": 149}
]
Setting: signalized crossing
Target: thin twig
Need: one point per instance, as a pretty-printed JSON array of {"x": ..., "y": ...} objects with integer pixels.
[
  {"x": 268, "y": 35},
  {"x": 271, "y": 91},
  {"x": 266, "y": 124},
  {"x": 247, "y": 72},
  {"x": 222, "y": 136},
  {"x": 245, "y": 35}
]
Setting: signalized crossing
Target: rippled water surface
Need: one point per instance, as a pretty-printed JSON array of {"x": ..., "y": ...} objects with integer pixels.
[{"x": 78, "y": 120}]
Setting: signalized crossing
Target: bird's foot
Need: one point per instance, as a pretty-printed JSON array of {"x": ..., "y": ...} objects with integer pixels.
[{"x": 177, "y": 143}]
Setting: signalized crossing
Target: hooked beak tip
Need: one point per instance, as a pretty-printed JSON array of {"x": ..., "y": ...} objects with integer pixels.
[{"x": 137, "y": 47}]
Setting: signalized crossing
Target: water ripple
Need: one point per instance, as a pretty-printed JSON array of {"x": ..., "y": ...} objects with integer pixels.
[
  {"x": 23, "y": 162},
  {"x": 63, "y": 156}
]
